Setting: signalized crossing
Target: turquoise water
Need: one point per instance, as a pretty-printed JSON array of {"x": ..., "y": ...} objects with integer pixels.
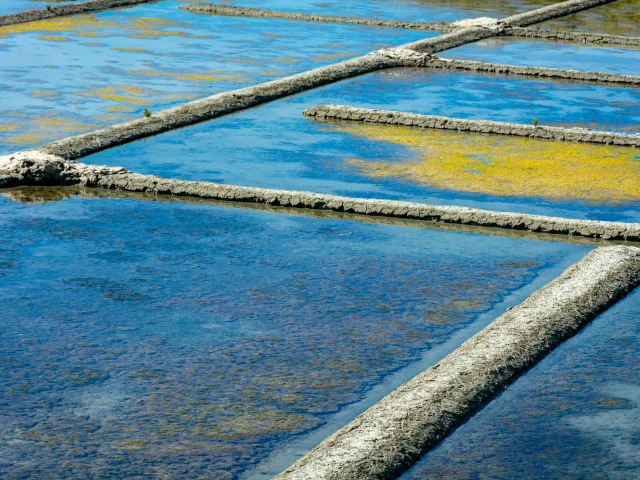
[
  {"x": 275, "y": 146},
  {"x": 148, "y": 338},
  {"x": 575, "y": 415}
]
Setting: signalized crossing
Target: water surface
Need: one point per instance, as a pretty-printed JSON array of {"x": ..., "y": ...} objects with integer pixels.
[
  {"x": 275, "y": 146},
  {"x": 149, "y": 338}
]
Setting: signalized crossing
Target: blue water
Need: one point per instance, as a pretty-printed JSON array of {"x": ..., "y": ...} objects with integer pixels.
[
  {"x": 154, "y": 56},
  {"x": 156, "y": 338},
  {"x": 275, "y": 146},
  {"x": 623, "y": 61},
  {"x": 575, "y": 415},
  {"x": 14, "y": 6},
  {"x": 412, "y": 10}
]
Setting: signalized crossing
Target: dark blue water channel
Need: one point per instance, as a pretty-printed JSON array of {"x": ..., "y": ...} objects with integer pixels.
[
  {"x": 146, "y": 338},
  {"x": 275, "y": 146},
  {"x": 575, "y": 415}
]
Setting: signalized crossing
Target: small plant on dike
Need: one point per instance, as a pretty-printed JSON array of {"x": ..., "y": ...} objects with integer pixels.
[
  {"x": 535, "y": 122},
  {"x": 49, "y": 8},
  {"x": 147, "y": 113}
]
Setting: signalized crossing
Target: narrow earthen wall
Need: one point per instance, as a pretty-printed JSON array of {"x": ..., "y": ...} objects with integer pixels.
[
  {"x": 37, "y": 168},
  {"x": 388, "y": 117}
]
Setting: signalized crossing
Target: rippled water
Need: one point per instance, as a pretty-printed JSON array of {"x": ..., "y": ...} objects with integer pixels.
[
  {"x": 149, "y": 338},
  {"x": 75, "y": 74},
  {"x": 574, "y": 415},
  {"x": 275, "y": 146}
]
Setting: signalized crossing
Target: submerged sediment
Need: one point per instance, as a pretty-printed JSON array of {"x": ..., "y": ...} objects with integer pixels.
[
  {"x": 388, "y": 117},
  {"x": 36, "y": 168},
  {"x": 393, "y": 434}
]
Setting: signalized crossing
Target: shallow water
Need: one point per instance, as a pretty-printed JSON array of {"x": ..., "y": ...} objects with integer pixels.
[
  {"x": 575, "y": 415},
  {"x": 75, "y": 74},
  {"x": 625, "y": 61},
  {"x": 184, "y": 340},
  {"x": 618, "y": 18},
  {"x": 14, "y": 6},
  {"x": 275, "y": 146}
]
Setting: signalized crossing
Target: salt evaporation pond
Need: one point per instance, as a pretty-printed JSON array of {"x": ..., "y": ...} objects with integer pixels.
[
  {"x": 275, "y": 146},
  {"x": 623, "y": 61},
  {"x": 76, "y": 74},
  {"x": 410, "y": 10},
  {"x": 575, "y": 415},
  {"x": 160, "y": 338}
]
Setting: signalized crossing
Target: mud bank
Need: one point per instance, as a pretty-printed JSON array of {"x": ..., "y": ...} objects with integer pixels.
[
  {"x": 231, "y": 11},
  {"x": 37, "y": 168},
  {"x": 574, "y": 37},
  {"x": 366, "y": 115},
  {"x": 530, "y": 33},
  {"x": 393, "y": 434},
  {"x": 69, "y": 9},
  {"x": 540, "y": 72}
]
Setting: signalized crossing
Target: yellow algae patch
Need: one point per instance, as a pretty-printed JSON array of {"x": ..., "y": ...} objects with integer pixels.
[
  {"x": 208, "y": 76},
  {"x": 133, "y": 50},
  {"x": 63, "y": 24},
  {"x": 9, "y": 126},
  {"x": 157, "y": 27},
  {"x": 121, "y": 93},
  {"x": 119, "y": 108},
  {"x": 236, "y": 60},
  {"x": 54, "y": 38},
  {"x": 45, "y": 93},
  {"x": 285, "y": 60},
  {"x": 333, "y": 56},
  {"x": 506, "y": 166},
  {"x": 174, "y": 97},
  {"x": 41, "y": 129},
  {"x": 25, "y": 139}
]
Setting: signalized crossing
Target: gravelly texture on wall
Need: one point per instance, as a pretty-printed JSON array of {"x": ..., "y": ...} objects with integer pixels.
[
  {"x": 393, "y": 434},
  {"x": 368, "y": 115},
  {"x": 37, "y": 168},
  {"x": 67, "y": 9}
]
